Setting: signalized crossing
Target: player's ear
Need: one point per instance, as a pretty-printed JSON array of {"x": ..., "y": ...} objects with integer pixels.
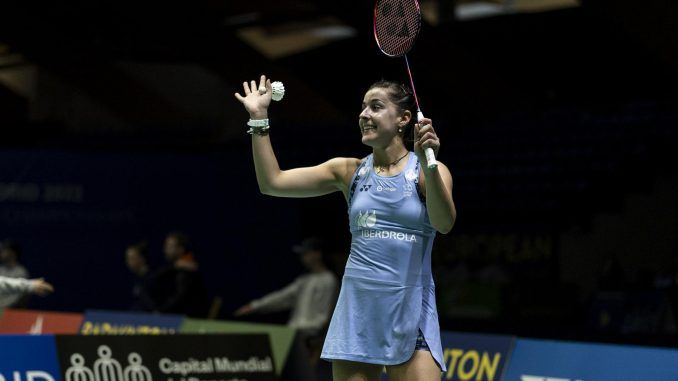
[{"x": 405, "y": 118}]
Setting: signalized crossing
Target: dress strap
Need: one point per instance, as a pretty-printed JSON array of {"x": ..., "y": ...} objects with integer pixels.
[
  {"x": 417, "y": 168},
  {"x": 356, "y": 179}
]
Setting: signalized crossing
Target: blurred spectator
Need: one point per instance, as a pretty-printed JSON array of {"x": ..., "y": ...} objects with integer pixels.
[
  {"x": 310, "y": 297},
  {"x": 136, "y": 257},
  {"x": 10, "y": 286},
  {"x": 178, "y": 286},
  {"x": 10, "y": 252}
]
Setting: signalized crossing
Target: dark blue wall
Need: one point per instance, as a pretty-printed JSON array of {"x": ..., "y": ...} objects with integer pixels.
[{"x": 109, "y": 200}]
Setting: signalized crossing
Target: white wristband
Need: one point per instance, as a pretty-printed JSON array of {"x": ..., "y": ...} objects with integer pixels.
[{"x": 258, "y": 123}]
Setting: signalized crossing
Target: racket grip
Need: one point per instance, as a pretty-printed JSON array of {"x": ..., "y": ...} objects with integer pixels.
[
  {"x": 431, "y": 162},
  {"x": 430, "y": 158}
]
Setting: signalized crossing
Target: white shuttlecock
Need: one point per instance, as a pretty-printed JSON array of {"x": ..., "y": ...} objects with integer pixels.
[{"x": 278, "y": 91}]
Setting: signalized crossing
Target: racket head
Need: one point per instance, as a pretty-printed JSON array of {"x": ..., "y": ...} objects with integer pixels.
[{"x": 396, "y": 25}]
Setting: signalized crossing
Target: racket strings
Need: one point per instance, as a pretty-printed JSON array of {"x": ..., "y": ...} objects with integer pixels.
[{"x": 396, "y": 25}]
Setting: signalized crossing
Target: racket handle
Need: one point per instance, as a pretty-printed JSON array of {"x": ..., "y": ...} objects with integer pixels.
[
  {"x": 430, "y": 155},
  {"x": 431, "y": 158}
]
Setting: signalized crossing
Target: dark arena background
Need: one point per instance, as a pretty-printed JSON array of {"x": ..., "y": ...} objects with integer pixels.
[{"x": 558, "y": 120}]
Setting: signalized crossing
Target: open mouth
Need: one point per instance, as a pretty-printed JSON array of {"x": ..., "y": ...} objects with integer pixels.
[{"x": 368, "y": 128}]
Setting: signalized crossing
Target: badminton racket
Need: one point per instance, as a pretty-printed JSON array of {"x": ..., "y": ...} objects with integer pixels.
[{"x": 396, "y": 27}]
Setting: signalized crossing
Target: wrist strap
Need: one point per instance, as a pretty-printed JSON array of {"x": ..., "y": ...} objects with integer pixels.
[
  {"x": 258, "y": 123},
  {"x": 258, "y": 131},
  {"x": 258, "y": 127}
]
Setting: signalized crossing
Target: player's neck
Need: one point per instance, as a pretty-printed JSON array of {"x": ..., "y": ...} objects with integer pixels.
[{"x": 387, "y": 156}]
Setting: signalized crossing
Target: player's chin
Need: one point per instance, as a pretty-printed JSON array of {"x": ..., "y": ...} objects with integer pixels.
[{"x": 369, "y": 139}]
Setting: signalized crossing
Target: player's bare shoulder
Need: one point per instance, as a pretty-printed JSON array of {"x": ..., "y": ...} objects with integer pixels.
[
  {"x": 343, "y": 168},
  {"x": 352, "y": 164}
]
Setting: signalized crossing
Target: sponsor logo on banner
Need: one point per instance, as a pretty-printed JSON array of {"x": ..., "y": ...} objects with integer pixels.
[
  {"x": 282, "y": 338},
  {"x": 475, "y": 357},
  {"x": 28, "y": 358},
  {"x": 39, "y": 322},
  {"x": 543, "y": 360},
  {"x": 166, "y": 358},
  {"x": 30, "y": 375},
  {"x": 121, "y": 323}
]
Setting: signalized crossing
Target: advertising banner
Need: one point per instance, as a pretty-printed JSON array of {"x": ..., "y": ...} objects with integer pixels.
[
  {"x": 475, "y": 357},
  {"x": 28, "y": 358},
  {"x": 541, "y": 360},
  {"x": 166, "y": 358},
  {"x": 39, "y": 322},
  {"x": 282, "y": 337},
  {"x": 122, "y": 323}
]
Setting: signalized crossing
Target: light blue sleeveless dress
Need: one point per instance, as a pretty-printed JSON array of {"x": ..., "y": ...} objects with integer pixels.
[{"x": 387, "y": 294}]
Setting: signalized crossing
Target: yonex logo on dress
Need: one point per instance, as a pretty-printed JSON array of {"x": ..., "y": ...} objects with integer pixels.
[{"x": 365, "y": 187}]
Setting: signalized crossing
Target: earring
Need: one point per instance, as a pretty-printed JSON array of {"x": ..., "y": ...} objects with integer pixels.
[{"x": 400, "y": 130}]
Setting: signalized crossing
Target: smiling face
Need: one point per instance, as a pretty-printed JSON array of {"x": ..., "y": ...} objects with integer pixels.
[{"x": 380, "y": 118}]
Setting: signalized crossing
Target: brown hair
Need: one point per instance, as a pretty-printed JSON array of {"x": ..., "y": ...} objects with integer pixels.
[{"x": 402, "y": 96}]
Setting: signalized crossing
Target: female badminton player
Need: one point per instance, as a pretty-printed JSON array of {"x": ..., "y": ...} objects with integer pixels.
[{"x": 386, "y": 314}]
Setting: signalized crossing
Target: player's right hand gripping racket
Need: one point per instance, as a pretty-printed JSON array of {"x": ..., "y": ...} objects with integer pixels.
[{"x": 396, "y": 26}]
